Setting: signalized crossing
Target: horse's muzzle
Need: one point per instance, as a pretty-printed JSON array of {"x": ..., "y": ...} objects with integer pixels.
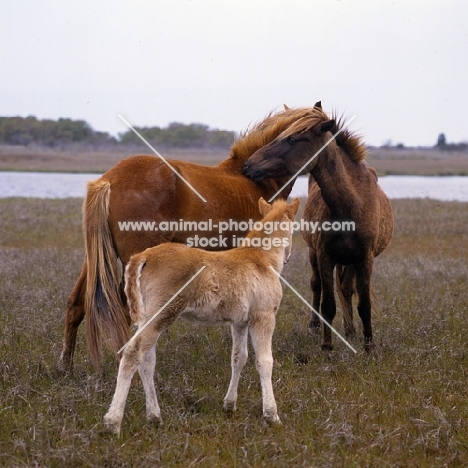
[{"x": 255, "y": 174}]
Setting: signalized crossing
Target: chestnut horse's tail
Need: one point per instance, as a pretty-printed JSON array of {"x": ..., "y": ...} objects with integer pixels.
[
  {"x": 345, "y": 276},
  {"x": 133, "y": 288},
  {"x": 346, "y": 289},
  {"x": 104, "y": 306}
]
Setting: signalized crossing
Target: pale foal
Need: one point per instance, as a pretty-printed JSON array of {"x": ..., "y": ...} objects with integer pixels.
[{"x": 236, "y": 287}]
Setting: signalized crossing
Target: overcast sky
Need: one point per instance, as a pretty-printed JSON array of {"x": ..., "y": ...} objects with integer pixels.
[{"x": 400, "y": 66}]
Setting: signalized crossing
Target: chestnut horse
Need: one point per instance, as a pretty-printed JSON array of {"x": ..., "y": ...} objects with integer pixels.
[
  {"x": 144, "y": 188},
  {"x": 238, "y": 287},
  {"x": 343, "y": 189}
]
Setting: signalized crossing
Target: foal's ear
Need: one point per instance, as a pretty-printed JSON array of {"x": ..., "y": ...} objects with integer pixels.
[
  {"x": 293, "y": 208},
  {"x": 318, "y": 105},
  {"x": 263, "y": 206},
  {"x": 327, "y": 126},
  {"x": 286, "y": 107}
]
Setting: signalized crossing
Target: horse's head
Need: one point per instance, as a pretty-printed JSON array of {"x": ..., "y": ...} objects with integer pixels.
[{"x": 293, "y": 151}]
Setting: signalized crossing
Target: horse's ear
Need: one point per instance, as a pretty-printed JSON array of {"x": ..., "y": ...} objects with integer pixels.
[
  {"x": 286, "y": 107},
  {"x": 318, "y": 105},
  {"x": 263, "y": 206},
  {"x": 327, "y": 126},
  {"x": 293, "y": 208}
]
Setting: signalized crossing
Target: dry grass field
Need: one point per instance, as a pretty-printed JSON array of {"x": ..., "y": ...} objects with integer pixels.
[
  {"x": 403, "y": 406},
  {"x": 82, "y": 159},
  {"x": 418, "y": 161},
  {"x": 387, "y": 161}
]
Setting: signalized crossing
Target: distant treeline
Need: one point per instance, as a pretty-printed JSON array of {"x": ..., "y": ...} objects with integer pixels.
[
  {"x": 177, "y": 135},
  {"x": 30, "y": 130}
]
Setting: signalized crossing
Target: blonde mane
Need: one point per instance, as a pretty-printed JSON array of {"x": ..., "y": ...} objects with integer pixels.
[
  {"x": 349, "y": 141},
  {"x": 266, "y": 131}
]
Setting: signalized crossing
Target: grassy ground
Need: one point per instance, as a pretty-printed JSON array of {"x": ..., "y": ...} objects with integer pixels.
[
  {"x": 387, "y": 161},
  {"x": 77, "y": 159},
  {"x": 418, "y": 161},
  {"x": 403, "y": 406}
]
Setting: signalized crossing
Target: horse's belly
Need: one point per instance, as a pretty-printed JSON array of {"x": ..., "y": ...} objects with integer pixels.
[
  {"x": 346, "y": 250},
  {"x": 214, "y": 314},
  {"x": 207, "y": 320}
]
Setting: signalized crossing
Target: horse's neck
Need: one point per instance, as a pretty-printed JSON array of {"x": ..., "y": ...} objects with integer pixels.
[
  {"x": 336, "y": 175},
  {"x": 233, "y": 165},
  {"x": 275, "y": 257}
]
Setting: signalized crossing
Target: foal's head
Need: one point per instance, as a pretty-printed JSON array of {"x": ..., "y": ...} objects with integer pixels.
[{"x": 294, "y": 149}]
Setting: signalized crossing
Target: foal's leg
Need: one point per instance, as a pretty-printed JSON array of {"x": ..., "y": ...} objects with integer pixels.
[
  {"x": 316, "y": 287},
  {"x": 146, "y": 371},
  {"x": 363, "y": 276},
  {"x": 74, "y": 316},
  {"x": 139, "y": 354},
  {"x": 238, "y": 359},
  {"x": 131, "y": 359},
  {"x": 328, "y": 306},
  {"x": 261, "y": 333}
]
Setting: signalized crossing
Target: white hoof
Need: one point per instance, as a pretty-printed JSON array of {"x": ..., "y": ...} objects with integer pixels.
[{"x": 112, "y": 424}]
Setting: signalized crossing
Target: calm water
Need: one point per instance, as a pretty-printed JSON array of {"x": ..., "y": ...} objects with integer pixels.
[{"x": 62, "y": 185}]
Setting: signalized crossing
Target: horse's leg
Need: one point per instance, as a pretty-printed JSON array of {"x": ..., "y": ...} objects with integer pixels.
[
  {"x": 135, "y": 356},
  {"x": 131, "y": 359},
  {"x": 146, "y": 371},
  {"x": 74, "y": 316},
  {"x": 261, "y": 333},
  {"x": 363, "y": 279},
  {"x": 316, "y": 287},
  {"x": 328, "y": 306},
  {"x": 346, "y": 288},
  {"x": 238, "y": 359}
]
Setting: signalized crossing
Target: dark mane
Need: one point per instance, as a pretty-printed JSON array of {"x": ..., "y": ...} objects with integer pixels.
[{"x": 351, "y": 142}]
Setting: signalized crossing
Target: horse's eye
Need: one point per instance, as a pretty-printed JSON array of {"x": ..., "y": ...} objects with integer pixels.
[{"x": 292, "y": 140}]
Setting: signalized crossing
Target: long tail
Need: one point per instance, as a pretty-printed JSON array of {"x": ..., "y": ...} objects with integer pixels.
[
  {"x": 104, "y": 306},
  {"x": 133, "y": 288},
  {"x": 345, "y": 276}
]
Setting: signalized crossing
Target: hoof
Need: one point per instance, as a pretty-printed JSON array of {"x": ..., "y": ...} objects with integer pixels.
[
  {"x": 369, "y": 347},
  {"x": 314, "y": 326},
  {"x": 273, "y": 421},
  {"x": 327, "y": 347},
  {"x": 154, "y": 419},
  {"x": 229, "y": 407},
  {"x": 112, "y": 425},
  {"x": 64, "y": 366}
]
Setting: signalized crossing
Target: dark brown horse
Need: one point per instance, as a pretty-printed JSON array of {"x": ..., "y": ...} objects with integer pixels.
[
  {"x": 344, "y": 190},
  {"x": 143, "y": 188}
]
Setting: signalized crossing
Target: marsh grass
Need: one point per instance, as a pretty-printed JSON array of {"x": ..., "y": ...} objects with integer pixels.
[
  {"x": 99, "y": 159},
  {"x": 418, "y": 161},
  {"x": 75, "y": 158},
  {"x": 404, "y": 405}
]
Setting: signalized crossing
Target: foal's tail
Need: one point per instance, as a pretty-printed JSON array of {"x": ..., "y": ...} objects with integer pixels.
[
  {"x": 104, "y": 305},
  {"x": 133, "y": 288}
]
